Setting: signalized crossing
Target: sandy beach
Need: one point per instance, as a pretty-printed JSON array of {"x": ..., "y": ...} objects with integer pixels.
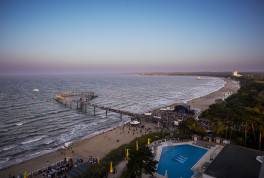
[
  {"x": 101, "y": 144},
  {"x": 204, "y": 102},
  {"x": 98, "y": 145}
]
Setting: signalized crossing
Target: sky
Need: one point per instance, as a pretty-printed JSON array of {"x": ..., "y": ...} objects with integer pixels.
[{"x": 131, "y": 35}]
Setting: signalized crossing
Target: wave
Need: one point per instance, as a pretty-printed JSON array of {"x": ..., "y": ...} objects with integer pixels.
[
  {"x": 4, "y": 160},
  {"x": 33, "y": 140},
  {"x": 9, "y": 147},
  {"x": 48, "y": 141},
  {"x": 19, "y": 124}
]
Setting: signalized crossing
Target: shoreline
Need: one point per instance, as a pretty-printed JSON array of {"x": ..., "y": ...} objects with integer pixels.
[
  {"x": 203, "y": 103},
  {"x": 96, "y": 146},
  {"x": 105, "y": 141},
  {"x": 61, "y": 147}
]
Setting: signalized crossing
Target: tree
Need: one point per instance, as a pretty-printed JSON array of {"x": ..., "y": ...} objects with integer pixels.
[
  {"x": 95, "y": 171},
  {"x": 141, "y": 161},
  {"x": 183, "y": 128},
  {"x": 241, "y": 112},
  {"x": 257, "y": 115},
  {"x": 218, "y": 128},
  {"x": 190, "y": 125}
]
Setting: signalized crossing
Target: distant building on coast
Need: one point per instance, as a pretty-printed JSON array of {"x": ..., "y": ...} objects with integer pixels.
[{"x": 236, "y": 74}]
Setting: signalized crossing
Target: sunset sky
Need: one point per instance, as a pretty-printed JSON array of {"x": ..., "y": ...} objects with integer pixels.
[{"x": 131, "y": 35}]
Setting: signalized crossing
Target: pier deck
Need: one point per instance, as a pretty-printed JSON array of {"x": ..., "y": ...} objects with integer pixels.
[{"x": 83, "y": 102}]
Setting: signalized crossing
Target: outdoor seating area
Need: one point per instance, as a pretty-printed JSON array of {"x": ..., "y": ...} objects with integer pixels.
[
  {"x": 204, "y": 145},
  {"x": 154, "y": 147},
  {"x": 205, "y": 165},
  {"x": 180, "y": 141}
]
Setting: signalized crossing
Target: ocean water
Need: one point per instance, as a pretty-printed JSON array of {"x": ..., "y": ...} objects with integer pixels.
[{"x": 30, "y": 126}]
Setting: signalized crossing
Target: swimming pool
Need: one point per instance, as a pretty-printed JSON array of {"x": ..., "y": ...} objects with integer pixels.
[{"x": 178, "y": 160}]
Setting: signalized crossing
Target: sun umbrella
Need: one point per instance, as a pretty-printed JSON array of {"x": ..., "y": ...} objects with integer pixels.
[
  {"x": 149, "y": 141},
  {"x": 111, "y": 167},
  {"x": 127, "y": 153},
  {"x": 25, "y": 175}
]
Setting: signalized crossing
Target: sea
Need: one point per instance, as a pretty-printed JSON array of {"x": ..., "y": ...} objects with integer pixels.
[{"x": 31, "y": 125}]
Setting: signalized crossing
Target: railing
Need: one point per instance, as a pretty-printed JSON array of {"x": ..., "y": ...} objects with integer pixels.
[{"x": 84, "y": 101}]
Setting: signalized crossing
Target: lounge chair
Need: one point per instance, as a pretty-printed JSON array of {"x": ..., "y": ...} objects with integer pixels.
[
  {"x": 35, "y": 173},
  {"x": 53, "y": 165},
  {"x": 205, "y": 165},
  {"x": 58, "y": 163},
  {"x": 39, "y": 171},
  {"x": 44, "y": 169},
  {"x": 29, "y": 175}
]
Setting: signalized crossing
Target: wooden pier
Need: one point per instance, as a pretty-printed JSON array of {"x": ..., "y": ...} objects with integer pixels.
[{"x": 83, "y": 103}]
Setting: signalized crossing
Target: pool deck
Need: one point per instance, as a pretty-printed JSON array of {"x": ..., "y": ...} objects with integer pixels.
[{"x": 206, "y": 158}]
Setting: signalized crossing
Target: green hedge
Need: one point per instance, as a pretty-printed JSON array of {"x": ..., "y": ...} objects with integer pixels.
[{"x": 116, "y": 155}]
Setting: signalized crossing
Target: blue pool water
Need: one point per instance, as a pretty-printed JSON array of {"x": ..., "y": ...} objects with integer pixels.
[{"x": 178, "y": 160}]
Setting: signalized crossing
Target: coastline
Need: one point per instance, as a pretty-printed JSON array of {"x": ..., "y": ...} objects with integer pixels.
[
  {"x": 103, "y": 143},
  {"x": 203, "y": 103},
  {"x": 96, "y": 146}
]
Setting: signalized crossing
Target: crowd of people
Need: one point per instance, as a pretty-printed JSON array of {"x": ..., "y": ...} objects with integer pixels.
[
  {"x": 167, "y": 118},
  {"x": 55, "y": 170},
  {"x": 205, "y": 123}
]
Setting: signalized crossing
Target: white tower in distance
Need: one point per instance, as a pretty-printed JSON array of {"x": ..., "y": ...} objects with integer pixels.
[{"x": 235, "y": 74}]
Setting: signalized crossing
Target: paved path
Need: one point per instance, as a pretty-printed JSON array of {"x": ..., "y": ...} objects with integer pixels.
[{"x": 120, "y": 167}]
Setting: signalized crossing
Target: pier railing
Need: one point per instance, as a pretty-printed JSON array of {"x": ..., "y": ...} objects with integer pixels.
[{"x": 83, "y": 102}]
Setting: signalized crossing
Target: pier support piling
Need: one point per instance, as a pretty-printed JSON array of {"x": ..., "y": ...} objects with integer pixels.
[{"x": 81, "y": 104}]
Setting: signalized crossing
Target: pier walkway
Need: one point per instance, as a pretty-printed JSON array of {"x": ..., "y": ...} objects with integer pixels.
[{"x": 83, "y": 102}]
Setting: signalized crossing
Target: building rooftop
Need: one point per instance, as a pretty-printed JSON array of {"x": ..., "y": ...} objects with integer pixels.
[{"x": 235, "y": 161}]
